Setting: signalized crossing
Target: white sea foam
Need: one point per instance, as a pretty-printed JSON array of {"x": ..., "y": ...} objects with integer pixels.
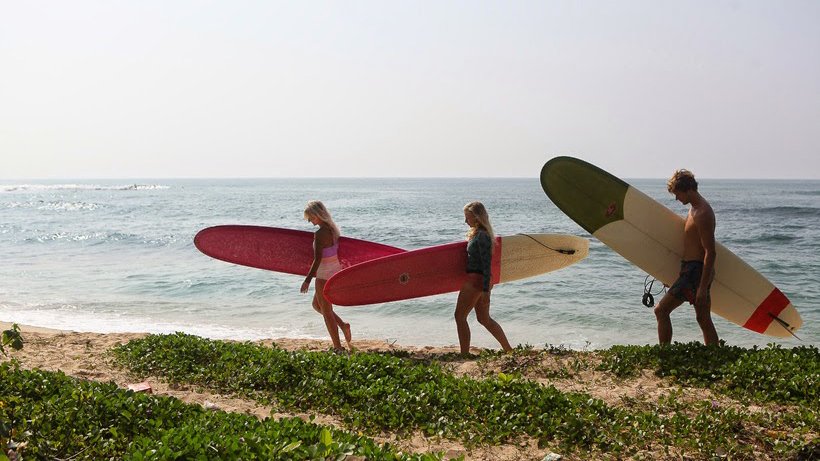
[
  {"x": 71, "y": 317},
  {"x": 78, "y": 187}
]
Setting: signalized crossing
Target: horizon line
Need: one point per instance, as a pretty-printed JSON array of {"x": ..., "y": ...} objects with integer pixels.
[{"x": 130, "y": 178}]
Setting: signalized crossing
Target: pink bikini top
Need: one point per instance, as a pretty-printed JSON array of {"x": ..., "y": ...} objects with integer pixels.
[{"x": 330, "y": 251}]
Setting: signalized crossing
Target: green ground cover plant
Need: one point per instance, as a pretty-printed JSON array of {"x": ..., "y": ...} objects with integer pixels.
[
  {"x": 384, "y": 393},
  {"x": 376, "y": 392},
  {"x": 771, "y": 374},
  {"x": 54, "y": 416},
  {"x": 10, "y": 338}
]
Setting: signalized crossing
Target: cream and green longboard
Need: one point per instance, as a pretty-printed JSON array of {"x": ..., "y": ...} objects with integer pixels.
[{"x": 650, "y": 236}]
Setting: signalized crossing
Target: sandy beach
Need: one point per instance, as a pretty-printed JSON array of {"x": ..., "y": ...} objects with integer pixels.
[{"x": 84, "y": 355}]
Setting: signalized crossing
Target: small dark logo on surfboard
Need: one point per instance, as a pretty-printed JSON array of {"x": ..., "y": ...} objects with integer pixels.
[
  {"x": 404, "y": 278},
  {"x": 611, "y": 209}
]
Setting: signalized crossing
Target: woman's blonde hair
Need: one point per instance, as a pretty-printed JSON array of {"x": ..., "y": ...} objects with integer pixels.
[
  {"x": 317, "y": 209},
  {"x": 482, "y": 220}
]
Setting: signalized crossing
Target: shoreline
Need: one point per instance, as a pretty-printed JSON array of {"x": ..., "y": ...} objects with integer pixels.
[{"x": 311, "y": 344}]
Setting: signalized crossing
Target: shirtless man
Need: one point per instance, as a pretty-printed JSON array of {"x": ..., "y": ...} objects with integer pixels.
[{"x": 698, "y": 264}]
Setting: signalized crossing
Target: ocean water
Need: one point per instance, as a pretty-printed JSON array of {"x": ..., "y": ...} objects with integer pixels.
[{"x": 116, "y": 256}]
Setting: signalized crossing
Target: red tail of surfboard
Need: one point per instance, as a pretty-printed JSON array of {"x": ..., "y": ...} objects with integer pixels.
[{"x": 767, "y": 311}]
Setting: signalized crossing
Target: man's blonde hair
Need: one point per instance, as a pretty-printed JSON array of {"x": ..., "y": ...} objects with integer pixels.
[{"x": 682, "y": 181}]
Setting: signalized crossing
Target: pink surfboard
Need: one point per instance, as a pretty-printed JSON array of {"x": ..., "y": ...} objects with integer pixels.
[
  {"x": 281, "y": 250},
  {"x": 442, "y": 269},
  {"x": 425, "y": 272}
]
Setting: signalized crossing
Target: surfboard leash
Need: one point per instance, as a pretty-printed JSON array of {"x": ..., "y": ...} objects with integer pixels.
[
  {"x": 562, "y": 251},
  {"x": 648, "y": 298},
  {"x": 785, "y": 325}
]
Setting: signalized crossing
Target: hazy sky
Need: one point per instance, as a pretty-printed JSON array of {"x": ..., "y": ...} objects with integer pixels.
[{"x": 136, "y": 89}]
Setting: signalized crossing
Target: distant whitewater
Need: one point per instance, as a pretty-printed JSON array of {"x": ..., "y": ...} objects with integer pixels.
[{"x": 114, "y": 255}]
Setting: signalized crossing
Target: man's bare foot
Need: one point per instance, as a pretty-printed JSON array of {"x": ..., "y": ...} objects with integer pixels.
[{"x": 346, "y": 331}]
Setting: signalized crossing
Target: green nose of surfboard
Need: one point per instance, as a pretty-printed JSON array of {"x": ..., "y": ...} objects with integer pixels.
[{"x": 584, "y": 192}]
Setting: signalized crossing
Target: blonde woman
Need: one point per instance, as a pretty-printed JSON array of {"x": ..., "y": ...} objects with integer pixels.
[
  {"x": 325, "y": 264},
  {"x": 475, "y": 292}
]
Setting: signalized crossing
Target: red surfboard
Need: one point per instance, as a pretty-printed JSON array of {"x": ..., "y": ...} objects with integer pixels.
[
  {"x": 281, "y": 250},
  {"x": 428, "y": 271},
  {"x": 442, "y": 269}
]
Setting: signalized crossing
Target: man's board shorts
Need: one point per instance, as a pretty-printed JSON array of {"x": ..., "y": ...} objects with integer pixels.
[{"x": 686, "y": 286}]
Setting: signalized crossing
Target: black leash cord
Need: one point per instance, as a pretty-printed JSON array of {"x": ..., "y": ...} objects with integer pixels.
[
  {"x": 648, "y": 298},
  {"x": 563, "y": 252}
]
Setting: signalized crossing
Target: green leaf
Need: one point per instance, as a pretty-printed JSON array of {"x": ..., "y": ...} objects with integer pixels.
[
  {"x": 326, "y": 438},
  {"x": 292, "y": 446}
]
